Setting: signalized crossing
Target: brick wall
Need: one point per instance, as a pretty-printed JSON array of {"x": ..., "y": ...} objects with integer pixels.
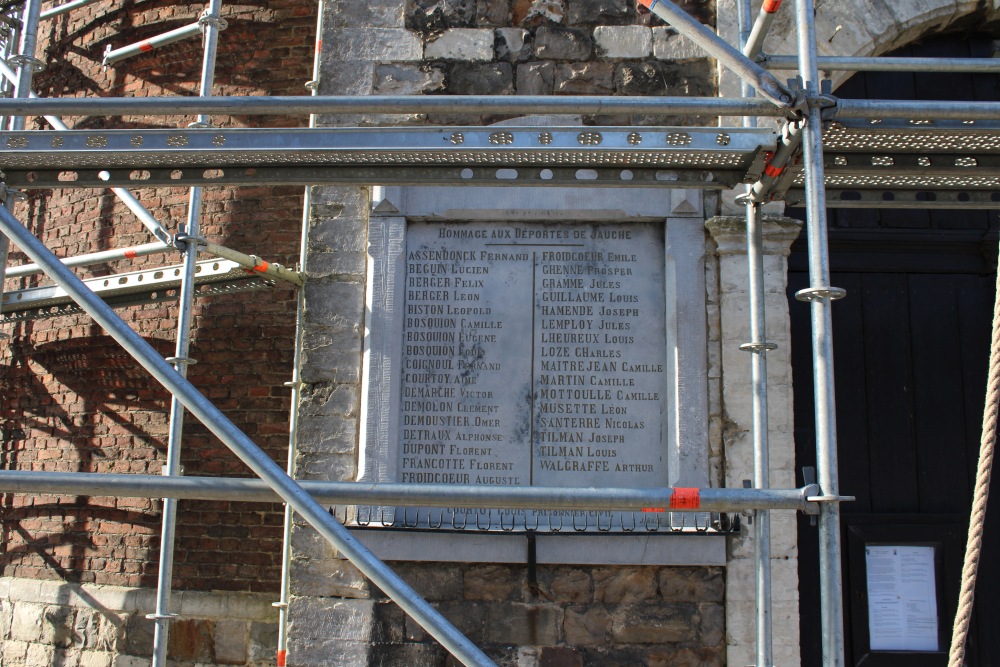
[{"x": 73, "y": 401}]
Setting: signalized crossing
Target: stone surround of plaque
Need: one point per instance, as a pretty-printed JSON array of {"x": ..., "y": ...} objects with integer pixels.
[{"x": 532, "y": 355}]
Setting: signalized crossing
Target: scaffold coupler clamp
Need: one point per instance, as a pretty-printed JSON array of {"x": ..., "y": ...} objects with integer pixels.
[
  {"x": 825, "y": 101},
  {"x": 182, "y": 238},
  {"x": 10, "y": 194},
  {"x": 814, "y": 501},
  {"x": 809, "y": 491}
]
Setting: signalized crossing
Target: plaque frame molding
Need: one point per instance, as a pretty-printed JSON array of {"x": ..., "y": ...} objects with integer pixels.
[{"x": 681, "y": 213}]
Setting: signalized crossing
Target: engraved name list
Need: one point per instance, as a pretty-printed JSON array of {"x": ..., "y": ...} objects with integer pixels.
[{"x": 533, "y": 354}]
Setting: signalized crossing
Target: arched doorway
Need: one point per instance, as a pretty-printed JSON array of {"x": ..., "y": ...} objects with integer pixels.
[{"x": 911, "y": 346}]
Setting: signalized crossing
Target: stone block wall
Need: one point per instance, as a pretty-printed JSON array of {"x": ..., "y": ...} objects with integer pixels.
[
  {"x": 55, "y": 623},
  {"x": 499, "y": 47},
  {"x": 549, "y": 616}
]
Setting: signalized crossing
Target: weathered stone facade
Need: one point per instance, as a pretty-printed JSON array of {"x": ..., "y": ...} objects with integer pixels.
[
  {"x": 733, "y": 370},
  {"x": 72, "y": 405},
  {"x": 58, "y": 623},
  {"x": 549, "y": 615}
]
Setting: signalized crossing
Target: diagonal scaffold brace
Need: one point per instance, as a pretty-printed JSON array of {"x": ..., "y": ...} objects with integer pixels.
[{"x": 763, "y": 81}]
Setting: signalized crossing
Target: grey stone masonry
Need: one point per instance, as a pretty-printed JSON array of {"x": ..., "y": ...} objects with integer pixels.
[
  {"x": 623, "y": 41},
  {"x": 668, "y": 44},
  {"x": 56, "y": 623},
  {"x": 729, "y": 234},
  {"x": 563, "y": 44},
  {"x": 461, "y": 44},
  {"x": 513, "y": 44},
  {"x": 527, "y": 617}
]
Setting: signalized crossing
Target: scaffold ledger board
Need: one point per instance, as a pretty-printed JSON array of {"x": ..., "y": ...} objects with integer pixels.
[
  {"x": 684, "y": 157},
  {"x": 214, "y": 276},
  {"x": 906, "y": 164}
]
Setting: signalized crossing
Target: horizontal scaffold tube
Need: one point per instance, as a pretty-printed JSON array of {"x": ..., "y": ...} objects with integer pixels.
[
  {"x": 411, "y": 495},
  {"x": 883, "y": 64},
  {"x": 399, "y": 104},
  {"x": 925, "y": 110},
  {"x": 252, "y": 263},
  {"x": 65, "y": 7},
  {"x": 113, "y": 56},
  {"x": 95, "y": 258}
]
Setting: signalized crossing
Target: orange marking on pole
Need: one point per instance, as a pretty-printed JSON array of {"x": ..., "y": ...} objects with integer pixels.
[
  {"x": 131, "y": 254},
  {"x": 689, "y": 499},
  {"x": 262, "y": 267},
  {"x": 145, "y": 46},
  {"x": 319, "y": 45},
  {"x": 771, "y": 6},
  {"x": 281, "y": 658},
  {"x": 772, "y": 171},
  {"x": 647, "y": 3}
]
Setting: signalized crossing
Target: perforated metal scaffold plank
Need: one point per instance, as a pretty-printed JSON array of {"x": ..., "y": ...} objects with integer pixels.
[
  {"x": 906, "y": 164},
  {"x": 683, "y": 157},
  {"x": 882, "y": 163},
  {"x": 213, "y": 276}
]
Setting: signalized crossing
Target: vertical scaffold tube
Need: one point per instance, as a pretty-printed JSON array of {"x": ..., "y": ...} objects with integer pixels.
[
  {"x": 164, "y": 583},
  {"x": 820, "y": 296},
  {"x": 761, "y": 459},
  {"x": 26, "y": 65},
  {"x": 758, "y": 348},
  {"x": 293, "y": 420}
]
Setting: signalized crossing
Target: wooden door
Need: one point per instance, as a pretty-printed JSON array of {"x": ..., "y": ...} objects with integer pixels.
[{"x": 911, "y": 343}]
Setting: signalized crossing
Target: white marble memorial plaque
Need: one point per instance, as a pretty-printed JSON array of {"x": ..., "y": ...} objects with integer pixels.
[{"x": 533, "y": 354}]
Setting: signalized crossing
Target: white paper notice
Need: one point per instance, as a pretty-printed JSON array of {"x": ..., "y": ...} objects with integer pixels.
[{"x": 902, "y": 598}]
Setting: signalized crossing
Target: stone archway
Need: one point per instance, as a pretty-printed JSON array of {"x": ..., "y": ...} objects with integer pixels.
[{"x": 857, "y": 27}]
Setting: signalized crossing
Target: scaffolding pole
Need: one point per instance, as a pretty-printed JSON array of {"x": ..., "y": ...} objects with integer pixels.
[
  {"x": 64, "y": 8},
  {"x": 479, "y": 104},
  {"x": 821, "y": 295},
  {"x": 758, "y": 348},
  {"x": 300, "y": 105},
  {"x": 284, "y": 593},
  {"x": 112, "y": 56},
  {"x": 413, "y": 495},
  {"x": 887, "y": 64},
  {"x": 914, "y": 110},
  {"x": 93, "y": 258},
  {"x": 754, "y": 42},
  {"x": 255, "y": 458},
  {"x": 26, "y": 65},
  {"x": 751, "y": 39},
  {"x": 716, "y": 47},
  {"x": 181, "y": 359}
]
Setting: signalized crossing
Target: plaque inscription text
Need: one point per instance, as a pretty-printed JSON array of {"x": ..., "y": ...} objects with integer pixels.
[{"x": 533, "y": 354}]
